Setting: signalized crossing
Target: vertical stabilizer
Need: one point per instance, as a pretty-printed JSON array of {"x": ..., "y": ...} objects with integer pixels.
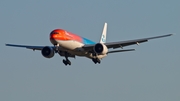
[{"x": 103, "y": 36}]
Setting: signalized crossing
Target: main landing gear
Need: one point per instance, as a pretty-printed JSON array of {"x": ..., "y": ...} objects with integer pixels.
[
  {"x": 96, "y": 60},
  {"x": 66, "y": 62}
]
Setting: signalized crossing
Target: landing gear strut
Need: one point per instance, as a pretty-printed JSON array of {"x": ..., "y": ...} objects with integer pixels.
[
  {"x": 56, "y": 48},
  {"x": 96, "y": 60}
]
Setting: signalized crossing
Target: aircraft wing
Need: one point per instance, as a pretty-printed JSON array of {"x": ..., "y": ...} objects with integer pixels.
[
  {"x": 61, "y": 53},
  {"x": 27, "y": 46},
  {"x": 125, "y": 50},
  {"x": 122, "y": 44}
]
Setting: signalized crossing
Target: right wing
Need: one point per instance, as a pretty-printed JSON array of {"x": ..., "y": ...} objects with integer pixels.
[
  {"x": 27, "y": 46},
  {"x": 61, "y": 52},
  {"x": 131, "y": 42},
  {"x": 125, "y": 50},
  {"x": 122, "y": 44}
]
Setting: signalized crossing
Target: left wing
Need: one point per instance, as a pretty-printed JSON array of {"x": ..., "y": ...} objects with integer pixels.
[
  {"x": 122, "y": 44},
  {"x": 26, "y": 46}
]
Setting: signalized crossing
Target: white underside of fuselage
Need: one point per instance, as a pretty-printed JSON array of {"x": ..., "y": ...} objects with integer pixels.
[{"x": 75, "y": 48}]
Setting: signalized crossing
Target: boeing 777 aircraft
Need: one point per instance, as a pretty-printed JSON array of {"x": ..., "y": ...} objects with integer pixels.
[{"x": 67, "y": 44}]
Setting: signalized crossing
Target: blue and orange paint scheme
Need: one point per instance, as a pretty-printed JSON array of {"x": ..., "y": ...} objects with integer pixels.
[{"x": 63, "y": 35}]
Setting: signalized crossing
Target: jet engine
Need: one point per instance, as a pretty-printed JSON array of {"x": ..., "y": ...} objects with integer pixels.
[
  {"x": 100, "y": 48},
  {"x": 47, "y": 52}
]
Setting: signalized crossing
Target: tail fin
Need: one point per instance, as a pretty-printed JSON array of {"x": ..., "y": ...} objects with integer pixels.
[{"x": 103, "y": 36}]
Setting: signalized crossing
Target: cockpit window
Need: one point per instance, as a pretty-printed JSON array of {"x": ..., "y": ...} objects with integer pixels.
[{"x": 54, "y": 33}]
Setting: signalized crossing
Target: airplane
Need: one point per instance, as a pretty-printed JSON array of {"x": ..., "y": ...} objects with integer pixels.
[{"x": 67, "y": 44}]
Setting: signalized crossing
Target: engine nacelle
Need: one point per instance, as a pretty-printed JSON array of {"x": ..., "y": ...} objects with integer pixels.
[
  {"x": 47, "y": 52},
  {"x": 100, "y": 48}
]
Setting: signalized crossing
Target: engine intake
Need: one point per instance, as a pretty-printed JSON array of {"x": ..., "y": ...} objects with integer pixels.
[
  {"x": 47, "y": 52},
  {"x": 100, "y": 48}
]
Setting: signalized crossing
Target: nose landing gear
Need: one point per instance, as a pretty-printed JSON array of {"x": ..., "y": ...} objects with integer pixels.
[{"x": 56, "y": 48}]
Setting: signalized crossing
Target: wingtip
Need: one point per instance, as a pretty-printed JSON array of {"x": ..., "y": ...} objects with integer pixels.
[
  {"x": 172, "y": 34},
  {"x": 131, "y": 49},
  {"x": 7, "y": 44}
]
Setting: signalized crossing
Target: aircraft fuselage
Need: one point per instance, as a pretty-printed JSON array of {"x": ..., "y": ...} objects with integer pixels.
[{"x": 71, "y": 43}]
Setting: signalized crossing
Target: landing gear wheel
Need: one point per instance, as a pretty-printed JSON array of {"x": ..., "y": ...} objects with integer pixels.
[
  {"x": 96, "y": 60},
  {"x": 66, "y": 62}
]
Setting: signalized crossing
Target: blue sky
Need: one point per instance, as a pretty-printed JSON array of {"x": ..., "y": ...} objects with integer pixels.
[{"x": 150, "y": 73}]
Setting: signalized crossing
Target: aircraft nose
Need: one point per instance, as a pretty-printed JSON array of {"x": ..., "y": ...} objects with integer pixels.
[{"x": 53, "y": 36}]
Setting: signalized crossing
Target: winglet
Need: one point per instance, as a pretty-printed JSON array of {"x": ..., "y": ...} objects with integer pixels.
[{"x": 103, "y": 36}]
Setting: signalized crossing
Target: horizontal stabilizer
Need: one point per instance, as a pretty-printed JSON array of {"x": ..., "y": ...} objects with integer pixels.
[{"x": 121, "y": 50}]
